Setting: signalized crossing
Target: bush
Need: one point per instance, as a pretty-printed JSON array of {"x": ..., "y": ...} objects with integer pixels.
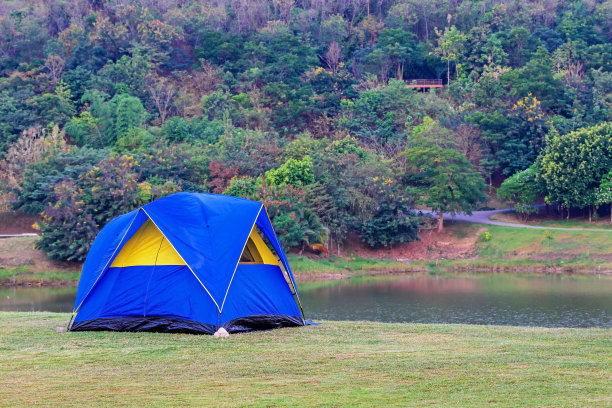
[
  {"x": 521, "y": 190},
  {"x": 293, "y": 222},
  {"x": 79, "y": 208},
  {"x": 177, "y": 129},
  {"x": 293, "y": 172},
  {"x": 394, "y": 221},
  {"x": 134, "y": 139}
]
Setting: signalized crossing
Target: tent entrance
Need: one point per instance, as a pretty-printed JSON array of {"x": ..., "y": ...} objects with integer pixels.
[
  {"x": 256, "y": 251},
  {"x": 147, "y": 247}
]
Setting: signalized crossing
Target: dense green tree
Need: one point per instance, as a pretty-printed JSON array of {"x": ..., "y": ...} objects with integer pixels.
[
  {"x": 113, "y": 118},
  {"x": 42, "y": 177},
  {"x": 129, "y": 113},
  {"x": 125, "y": 75},
  {"x": 521, "y": 190},
  {"x": 54, "y": 108},
  {"x": 393, "y": 220},
  {"x": 177, "y": 129},
  {"x": 604, "y": 192},
  {"x": 537, "y": 78},
  {"x": 16, "y": 114},
  {"x": 293, "y": 172},
  {"x": 84, "y": 130},
  {"x": 442, "y": 179},
  {"x": 573, "y": 165}
]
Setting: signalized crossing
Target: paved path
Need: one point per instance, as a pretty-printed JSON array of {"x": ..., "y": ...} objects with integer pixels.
[
  {"x": 482, "y": 217},
  {"x": 18, "y": 235}
]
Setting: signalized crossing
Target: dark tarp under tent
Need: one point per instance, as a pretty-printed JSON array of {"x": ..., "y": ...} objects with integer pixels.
[{"x": 189, "y": 263}]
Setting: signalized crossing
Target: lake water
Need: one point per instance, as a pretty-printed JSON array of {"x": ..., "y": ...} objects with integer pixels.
[{"x": 483, "y": 299}]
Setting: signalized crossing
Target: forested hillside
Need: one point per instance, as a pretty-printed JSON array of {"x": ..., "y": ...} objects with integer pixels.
[{"x": 304, "y": 105}]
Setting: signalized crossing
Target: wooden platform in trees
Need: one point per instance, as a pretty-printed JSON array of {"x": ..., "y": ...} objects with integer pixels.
[{"x": 424, "y": 83}]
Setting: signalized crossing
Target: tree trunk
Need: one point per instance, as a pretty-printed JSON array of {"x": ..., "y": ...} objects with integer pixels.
[
  {"x": 610, "y": 213},
  {"x": 448, "y": 71},
  {"x": 440, "y": 221},
  {"x": 590, "y": 214}
]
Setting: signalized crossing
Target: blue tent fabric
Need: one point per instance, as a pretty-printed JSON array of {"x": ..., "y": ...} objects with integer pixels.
[
  {"x": 221, "y": 224},
  {"x": 212, "y": 290},
  {"x": 258, "y": 290},
  {"x": 264, "y": 223},
  {"x": 105, "y": 247}
]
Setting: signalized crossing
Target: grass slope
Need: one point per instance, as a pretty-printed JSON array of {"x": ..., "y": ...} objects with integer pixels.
[
  {"x": 551, "y": 247},
  {"x": 335, "y": 364}
]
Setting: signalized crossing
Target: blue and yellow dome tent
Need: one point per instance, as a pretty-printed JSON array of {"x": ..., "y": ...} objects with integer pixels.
[{"x": 188, "y": 263}]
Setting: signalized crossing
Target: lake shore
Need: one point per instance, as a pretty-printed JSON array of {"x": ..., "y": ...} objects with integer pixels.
[
  {"x": 334, "y": 364},
  {"x": 309, "y": 270},
  {"x": 462, "y": 248}
]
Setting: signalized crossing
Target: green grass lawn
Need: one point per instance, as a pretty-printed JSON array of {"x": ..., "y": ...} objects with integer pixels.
[
  {"x": 23, "y": 275},
  {"x": 335, "y": 364},
  {"x": 582, "y": 222},
  {"x": 340, "y": 266},
  {"x": 505, "y": 242}
]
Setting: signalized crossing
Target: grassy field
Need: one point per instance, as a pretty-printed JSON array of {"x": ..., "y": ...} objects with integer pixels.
[
  {"x": 578, "y": 247},
  {"x": 335, "y": 364},
  {"x": 544, "y": 221},
  {"x": 335, "y": 266}
]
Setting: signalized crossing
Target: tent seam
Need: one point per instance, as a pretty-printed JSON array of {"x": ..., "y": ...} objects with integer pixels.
[
  {"x": 144, "y": 309},
  {"x": 297, "y": 295},
  {"x": 238, "y": 262},
  {"x": 188, "y": 266}
]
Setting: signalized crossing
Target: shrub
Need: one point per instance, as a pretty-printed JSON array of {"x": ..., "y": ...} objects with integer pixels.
[
  {"x": 521, "y": 190},
  {"x": 177, "y": 129},
  {"x": 79, "y": 208},
  {"x": 293, "y": 172},
  {"x": 394, "y": 221}
]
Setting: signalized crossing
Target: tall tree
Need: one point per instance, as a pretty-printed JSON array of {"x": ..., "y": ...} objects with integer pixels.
[
  {"x": 604, "y": 192},
  {"x": 450, "y": 43},
  {"x": 443, "y": 180},
  {"x": 574, "y": 164}
]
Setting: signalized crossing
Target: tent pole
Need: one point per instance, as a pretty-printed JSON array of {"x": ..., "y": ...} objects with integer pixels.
[{"x": 72, "y": 316}]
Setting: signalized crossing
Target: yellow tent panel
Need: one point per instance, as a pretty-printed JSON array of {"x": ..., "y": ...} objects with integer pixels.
[
  {"x": 258, "y": 250},
  {"x": 147, "y": 245}
]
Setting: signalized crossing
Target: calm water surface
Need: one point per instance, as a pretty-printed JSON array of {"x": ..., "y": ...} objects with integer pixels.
[
  {"x": 499, "y": 300},
  {"x": 494, "y": 299}
]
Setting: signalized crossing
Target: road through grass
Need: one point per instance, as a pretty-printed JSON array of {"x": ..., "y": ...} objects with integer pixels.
[{"x": 335, "y": 364}]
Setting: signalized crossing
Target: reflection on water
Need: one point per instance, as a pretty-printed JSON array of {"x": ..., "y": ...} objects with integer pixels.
[
  {"x": 500, "y": 300},
  {"x": 492, "y": 299},
  {"x": 37, "y": 299}
]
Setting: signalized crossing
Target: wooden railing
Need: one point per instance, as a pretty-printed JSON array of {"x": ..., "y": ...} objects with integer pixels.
[{"x": 424, "y": 83}]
